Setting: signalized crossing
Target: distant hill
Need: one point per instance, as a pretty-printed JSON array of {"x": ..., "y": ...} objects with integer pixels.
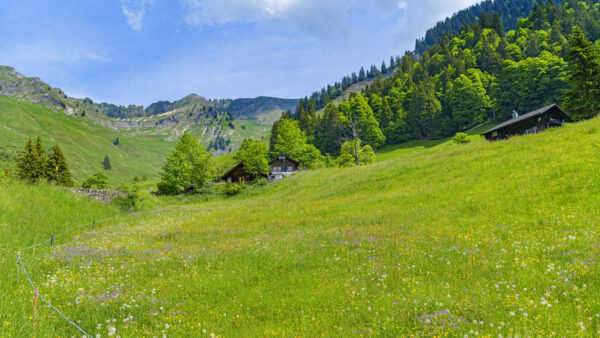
[{"x": 220, "y": 124}]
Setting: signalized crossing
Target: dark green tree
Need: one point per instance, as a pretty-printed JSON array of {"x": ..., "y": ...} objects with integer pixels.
[
  {"x": 106, "y": 163},
  {"x": 29, "y": 164},
  {"x": 583, "y": 100},
  {"x": 58, "y": 168}
]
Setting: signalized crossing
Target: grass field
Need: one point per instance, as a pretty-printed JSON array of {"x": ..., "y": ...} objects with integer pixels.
[
  {"x": 447, "y": 240},
  {"x": 85, "y": 143}
]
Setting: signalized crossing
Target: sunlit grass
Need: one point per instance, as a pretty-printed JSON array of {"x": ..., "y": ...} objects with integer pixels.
[{"x": 480, "y": 239}]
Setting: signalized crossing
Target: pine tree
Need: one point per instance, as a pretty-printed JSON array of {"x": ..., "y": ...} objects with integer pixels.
[
  {"x": 39, "y": 147},
  {"x": 28, "y": 164},
  {"x": 361, "y": 74},
  {"x": 583, "y": 100},
  {"x": 58, "y": 168},
  {"x": 496, "y": 24},
  {"x": 106, "y": 163}
]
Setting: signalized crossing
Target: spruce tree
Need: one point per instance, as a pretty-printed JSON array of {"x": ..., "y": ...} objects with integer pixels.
[
  {"x": 58, "y": 168},
  {"x": 106, "y": 163},
  {"x": 28, "y": 164},
  {"x": 583, "y": 100},
  {"x": 39, "y": 147}
]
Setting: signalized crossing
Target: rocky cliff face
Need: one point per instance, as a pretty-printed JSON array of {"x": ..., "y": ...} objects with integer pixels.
[{"x": 12, "y": 83}]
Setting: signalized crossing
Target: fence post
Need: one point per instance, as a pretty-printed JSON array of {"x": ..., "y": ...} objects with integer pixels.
[
  {"x": 93, "y": 222},
  {"x": 35, "y": 306},
  {"x": 52, "y": 240}
]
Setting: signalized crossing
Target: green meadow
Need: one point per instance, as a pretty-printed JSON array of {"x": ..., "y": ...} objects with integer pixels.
[
  {"x": 435, "y": 239},
  {"x": 84, "y": 142}
]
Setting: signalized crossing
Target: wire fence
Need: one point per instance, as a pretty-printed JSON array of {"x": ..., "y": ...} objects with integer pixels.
[{"x": 50, "y": 243}]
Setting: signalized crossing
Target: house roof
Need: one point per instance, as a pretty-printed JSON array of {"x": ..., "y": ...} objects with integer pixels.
[
  {"x": 287, "y": 158},
  {"x": 232, "y": 170},
  {"x": 529, "y": 115}
]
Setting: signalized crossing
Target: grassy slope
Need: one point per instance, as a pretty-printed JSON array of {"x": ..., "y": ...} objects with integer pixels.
[
  {"x": 85, "y": 144},
  {"x": 32, "y": 214},
  {"x": 443, "y": 241}
]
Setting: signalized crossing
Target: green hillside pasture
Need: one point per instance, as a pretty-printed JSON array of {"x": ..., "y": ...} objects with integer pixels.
[
  {"x": 28, "y": 215},
  {"x": 394, "y": 151},
  {"x": 84, "y": 143},
  {"x": 482, "y": 239}
]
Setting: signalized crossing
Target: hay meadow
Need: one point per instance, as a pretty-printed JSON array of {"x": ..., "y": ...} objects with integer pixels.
[{"x": 484, "y": 239}]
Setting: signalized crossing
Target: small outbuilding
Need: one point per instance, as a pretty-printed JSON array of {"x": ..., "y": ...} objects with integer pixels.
[{"x": 530, "y": 123}]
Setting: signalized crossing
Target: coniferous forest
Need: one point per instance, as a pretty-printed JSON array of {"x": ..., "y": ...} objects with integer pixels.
[{"x": 479, "y": 74}]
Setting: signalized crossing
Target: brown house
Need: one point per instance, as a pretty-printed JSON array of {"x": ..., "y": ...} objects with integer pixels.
[
  {"x": 238, "y": 174},
  {"x": 281, "y": 167},
  {"x": 530, "y": 123}
]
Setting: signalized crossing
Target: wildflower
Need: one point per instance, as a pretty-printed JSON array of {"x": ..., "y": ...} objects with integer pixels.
[
  {"x": 525, "y": 314},
  {"x": 512, "y": 313}
]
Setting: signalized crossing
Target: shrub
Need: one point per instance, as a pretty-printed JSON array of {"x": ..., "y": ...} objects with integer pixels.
[
  {"x": 132, "y": 201},
  {"x": 98, "y": 181},
  {"x": 461, "y": 138},
  {"x": 232, "y": 189}
]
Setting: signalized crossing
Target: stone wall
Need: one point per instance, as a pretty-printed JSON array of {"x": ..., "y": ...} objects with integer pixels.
[{"x": 104, "y": 196}]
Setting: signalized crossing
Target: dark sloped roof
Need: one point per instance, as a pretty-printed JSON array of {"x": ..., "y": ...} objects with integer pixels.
[
  {"x": 287, "y": 158},
  {"x": 230, "y": 172},
  {"x": 528, "y": 116}
]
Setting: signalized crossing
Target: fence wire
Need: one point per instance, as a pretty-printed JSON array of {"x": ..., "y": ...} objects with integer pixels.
[{"x": 49, "y": 241}]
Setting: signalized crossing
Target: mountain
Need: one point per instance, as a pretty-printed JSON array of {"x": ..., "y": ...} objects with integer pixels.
[
  {"x": 481, "y": 73},
  {"x": 220, "y": 124},
  {"x": 509, "y": 11},
  {"x": 508, "y": 14}
]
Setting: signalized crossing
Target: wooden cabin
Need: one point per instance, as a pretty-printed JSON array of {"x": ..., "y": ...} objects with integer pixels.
[
  {"x": 530, "y": 123},
  {"x": 282, "y": 167},
  {"x": 237, "y": 174}
]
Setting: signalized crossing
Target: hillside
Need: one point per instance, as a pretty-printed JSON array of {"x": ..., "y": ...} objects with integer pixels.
[
  {"x": 494, "y": 238},
  {"x": 84, "y": 142},
  {"x": 220, "y": 124}
]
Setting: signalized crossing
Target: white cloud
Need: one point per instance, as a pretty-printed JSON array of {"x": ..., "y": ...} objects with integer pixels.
[
  {"x": 326, "y": 20},
  {"x": 134, "y": 11}
]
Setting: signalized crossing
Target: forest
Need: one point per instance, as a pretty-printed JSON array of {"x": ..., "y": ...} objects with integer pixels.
[{"x": 481, "y": 73}]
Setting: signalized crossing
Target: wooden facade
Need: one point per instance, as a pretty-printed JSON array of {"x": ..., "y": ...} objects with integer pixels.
[
  {"x": 237, "y": 174},
  {"x": 530, "y": 123},
  {"x": 281, "y": 167}
]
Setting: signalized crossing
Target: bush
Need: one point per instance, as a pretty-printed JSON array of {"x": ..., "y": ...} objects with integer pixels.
[
  {"x": 461, "y": 138},
  {"x": 232, "y": 189},
  {"x": 5, "y": 176},
  {"x": 98, "y": 181},
  {"x": 132, "y": 201}
]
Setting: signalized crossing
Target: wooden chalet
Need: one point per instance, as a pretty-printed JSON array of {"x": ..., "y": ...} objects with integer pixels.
[
  {"x": 281, "y": 167},
  {"x": 238, "y": 174},
  {"x": 530, "y": 123}
]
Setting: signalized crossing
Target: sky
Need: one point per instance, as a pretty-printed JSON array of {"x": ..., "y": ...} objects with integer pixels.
[{"x": 142, "y": 51}]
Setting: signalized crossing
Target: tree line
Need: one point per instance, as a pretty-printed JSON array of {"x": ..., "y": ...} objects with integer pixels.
[{"x": 479, "y": 74}]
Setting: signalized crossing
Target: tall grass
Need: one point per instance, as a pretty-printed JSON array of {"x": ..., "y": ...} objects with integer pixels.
[
  {"x": 32, "y": 214},
  {"x": 477, "y": 239}
]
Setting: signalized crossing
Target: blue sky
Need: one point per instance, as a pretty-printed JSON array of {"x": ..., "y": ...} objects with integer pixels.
[{"x": 142, "y": 51}]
